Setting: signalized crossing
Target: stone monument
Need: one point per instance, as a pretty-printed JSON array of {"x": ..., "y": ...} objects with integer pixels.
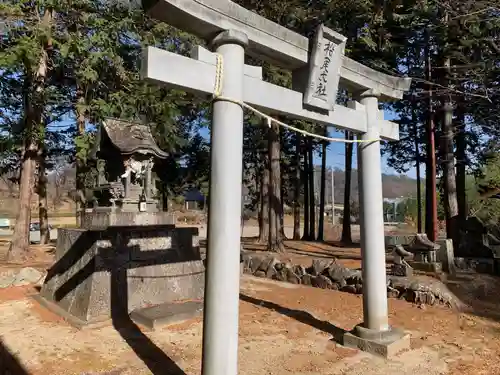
[{"x": 127, "y": 257}]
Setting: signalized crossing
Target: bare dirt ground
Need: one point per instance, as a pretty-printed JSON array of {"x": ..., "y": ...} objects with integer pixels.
[{"x": 284, "y": 329}]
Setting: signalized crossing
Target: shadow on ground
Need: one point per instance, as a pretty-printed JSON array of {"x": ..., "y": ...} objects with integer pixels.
[
  {"x": 9, "y": 364},
  {"x": 299, "y": 315},
  {"x": 310, "y": 248},
  {"x": 116, "y": 260},
  {"x": 480, "y": 292}
]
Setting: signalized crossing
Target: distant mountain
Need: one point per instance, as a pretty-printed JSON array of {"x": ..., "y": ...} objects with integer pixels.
[
  {"x": 394, "y": 186},
  {"x": 63, "y": 181}
]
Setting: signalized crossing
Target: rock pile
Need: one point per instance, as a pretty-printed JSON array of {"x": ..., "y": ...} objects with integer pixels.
[
  {"x": 327, "y": 274},
  {"x": 21, "y": 277}
]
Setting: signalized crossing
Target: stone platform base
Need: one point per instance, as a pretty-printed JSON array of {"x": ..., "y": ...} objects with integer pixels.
[
  {"x": 402, "y": 270},
  {"x": 104, "y": 273},
  {"x": 72, "y": 320},
  {"x": 167, "y": 313},
  {"x": 106, "y": 217},
  {"x": 386, "y": 344},
  {"x": 427, "y": 267}
]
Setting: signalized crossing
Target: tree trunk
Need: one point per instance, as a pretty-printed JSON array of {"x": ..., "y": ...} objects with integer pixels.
[
  {"x": 321, "y": 223},
  {"x": 33, "y": 107},
  {"x": 275, "y": 243},
  {"x": 450, "y": 186},
  {"x": 264, "y": 202},
  {"x": 43, "y": 215},
  {"x": 431, "y": 217},
  {"x": 305, "y": 182},
  {"x": 312, "y": 197},
  {"x": 19, "y": 246},
  {"x": 296, "y": 198},
  {"x": 282, "y": 215},
  {"x": 461, "y": 159},
  {"x": 80, "y": 126},
  {"x": 346, "y": 217}
]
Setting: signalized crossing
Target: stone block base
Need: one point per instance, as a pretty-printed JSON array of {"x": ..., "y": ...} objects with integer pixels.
[
  {"x": 385, "y": 344},
  {"x": 427, "y": 267},
  {"x": 103, "y": 218},
  {"x": 401, "y": 270},
  {"x": 166, "y": 313},
  {"x": 107, "y": 273}
]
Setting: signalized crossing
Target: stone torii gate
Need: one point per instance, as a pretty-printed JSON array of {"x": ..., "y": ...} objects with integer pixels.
[{"x": 234, "y": 31}]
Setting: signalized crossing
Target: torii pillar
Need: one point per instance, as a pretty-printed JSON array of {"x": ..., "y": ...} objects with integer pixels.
[{"x": 374, "y": 334}]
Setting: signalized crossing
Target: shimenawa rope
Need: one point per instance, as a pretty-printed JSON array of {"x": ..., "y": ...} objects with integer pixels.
[{"x": 217, "y": 95}]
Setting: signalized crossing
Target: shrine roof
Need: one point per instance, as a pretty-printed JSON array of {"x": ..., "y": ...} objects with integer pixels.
[{"x": 132, "y": 137}]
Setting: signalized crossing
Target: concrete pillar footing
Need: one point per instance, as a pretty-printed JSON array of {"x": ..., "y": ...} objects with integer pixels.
[{"x": 387, "y": 343}]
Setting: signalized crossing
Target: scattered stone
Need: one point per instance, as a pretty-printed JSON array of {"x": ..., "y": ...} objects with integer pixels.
[
  {"x": 335, "y": 286},
  {"x": 418, "y": 290},
  {"x": 392, "y": 293},
  {"x": 299, "y": 270},
  {"x": 320, "y": 265},
  {"x": 349, "y": 289},
  {"x": 24, "y": 276},
  {"x": 340, "y": 284},
  {"x": 271, "y": 273},
  {"x": 338, "y": 273},
  {"x": 356, "y": 278},
  {"x": 389, "y": 281},
  {"x": 6, "y": 279},
  {"x": 359, "y": 288},
  {"x": 400, "y": 283},
  {"x": 422, "y": 298},
  {"x": 266, "y": 263},
  {"x": 255, "y": 263},
  {"x": 260, "y": 274},
  {"x": 281, "y": 273},
  {"x": 322, "y": 282},
  {"x": 292, "y": 278},
  {"x": 429, "y": 299},
  {"x": 401, "y": 270},
  {"x": 268, "y": 266},
  {"x": 307, "y": 279},
  {"x": 246, "y": 260}
]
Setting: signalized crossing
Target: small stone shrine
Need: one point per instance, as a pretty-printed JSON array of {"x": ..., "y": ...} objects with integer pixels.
[
  {"x": 122, "y": 190},
  {"x": 423, "y": 250},
  {"x": 127, "y": 259}
]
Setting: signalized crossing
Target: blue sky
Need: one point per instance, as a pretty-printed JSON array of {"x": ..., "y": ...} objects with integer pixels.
[{"x": 336, "y": 153}]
